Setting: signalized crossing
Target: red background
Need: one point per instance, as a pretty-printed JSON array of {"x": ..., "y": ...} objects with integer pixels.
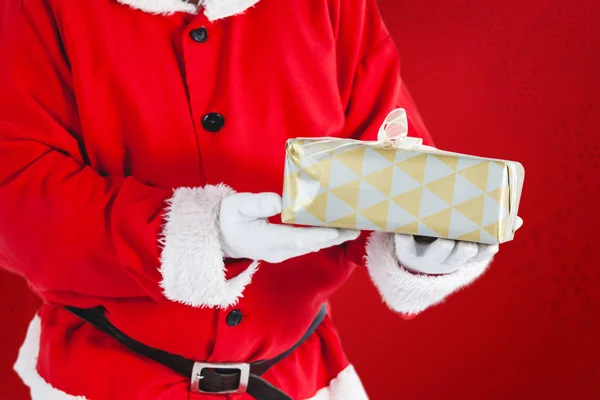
[{"x": 508, "y": 79}]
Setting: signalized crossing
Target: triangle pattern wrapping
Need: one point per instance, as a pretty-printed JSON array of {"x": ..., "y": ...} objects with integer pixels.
[
  {"x": 464, "y": 190},
  {"x": 460, "y": 225},
  {"x": 381, "y": 180},
  {"x": 320, "y": 171},
  {"x": 487, "y": 238},
  {"x": 299, "y": 142},
  {"x": 303, "y": 217},
  {"x": 491, "y": 212},
  {"x": 308, "y": 188},
  {"x": 377, "y": 214},
  {"x": 365, "y": 223},
  {"x": 424, "y": 230},
  {"x": 340, "y": 174},
  {"x": 503, "y": 223},
  {"x": 477, "y": 174},
  {"x": 307, "y": 160},
  {"x": 473, "y": 209},
  {"x": 436, "y": 169},
  {"x": 318, "y": 207},
  {"x": 347, "y": 222},
  {"x": 403, "y": 155},
  {"x": 389, "y": 154},
  {"x": 288, "y": 216},
  {"x": 497, "y": 177},
  {"x": 493, "y": 229},
  {"x": 290, "y": 167},
  {"x": 344, "y": 146},
  {"x": 408, "y": 229},
  {"x": 444, "y": 188},
  {"x": 336, "y": 208},
  {"x": 376, "y": 162},
  {"x": 504, "y": 199},
  {"x": 353, "y": 159},
  {"x": 369, "y": 196},
  {"x": 440, "y": 222},
  {"x": 292, "y": 181},
  {"x": 398, "y": 217},
  {"x": 431, "y": 203},
  {"x": 414, "y": 166},
  {"x": 451, "y": 161},
  {"x": 410, "y": 201},
  {"x": 466, "y": 162},
  {"x": 352, "y": 185},
  {"x": 287, "y": 201},
  {"x": 474, "y": 236},
  {"x": 497, "y": 194},
  {"x": 348, "y": 193},
  {"x": 319, "y": 147},
  {"x": 402, "y": 182}
]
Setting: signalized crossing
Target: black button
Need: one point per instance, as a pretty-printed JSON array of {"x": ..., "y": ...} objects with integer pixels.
[
  {"x": 199, "y": 35},
  {"x": 213, "y": 122},
  {"x": 234, "y": 318}
]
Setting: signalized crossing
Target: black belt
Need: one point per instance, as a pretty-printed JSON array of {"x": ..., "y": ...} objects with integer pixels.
[{"x": 207, "y": 378}]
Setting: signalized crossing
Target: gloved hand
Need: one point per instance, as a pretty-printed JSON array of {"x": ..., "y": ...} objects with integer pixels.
[
  {"x": 246, "y": 233},
  {"x": 441, "y": 256}
]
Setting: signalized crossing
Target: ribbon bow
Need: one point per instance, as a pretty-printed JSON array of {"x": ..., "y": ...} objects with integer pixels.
[{"x": 394, "y": 131}]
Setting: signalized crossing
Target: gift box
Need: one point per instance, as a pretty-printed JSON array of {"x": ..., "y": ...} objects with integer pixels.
[{"x": 396, "y": 184}]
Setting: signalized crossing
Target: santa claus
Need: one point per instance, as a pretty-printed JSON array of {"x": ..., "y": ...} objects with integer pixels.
[{"x": 141, "y": 143}]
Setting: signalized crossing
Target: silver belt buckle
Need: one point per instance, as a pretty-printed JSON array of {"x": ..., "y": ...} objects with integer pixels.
[{"x": 197, "y": 376}]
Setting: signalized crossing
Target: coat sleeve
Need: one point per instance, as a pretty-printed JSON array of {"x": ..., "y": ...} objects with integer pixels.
[
  {"x": 77, "y": 235},
  {"x": 371, "y": 87}
]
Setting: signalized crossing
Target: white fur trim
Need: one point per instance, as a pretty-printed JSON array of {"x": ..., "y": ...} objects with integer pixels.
[
  {"x": 346, "y": 386},
  {"x": 192, "y": 267},
  {"x": 406, "y": 292},
  {"x": 26, "y": 367},
  {"x": 213, "y": 9},
  {"x": 219, "y": 9},
  {"x": 161, "y": 6}
]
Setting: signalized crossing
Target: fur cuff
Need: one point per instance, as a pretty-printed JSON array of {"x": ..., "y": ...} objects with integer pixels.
[
  {"x": 346, "y": 386},
  {"x": 406, "y": 292},
  {"x": 193, "y": 269}
]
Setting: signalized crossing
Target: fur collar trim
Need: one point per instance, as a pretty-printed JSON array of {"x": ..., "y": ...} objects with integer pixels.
[{"x": 213, "y": 9}]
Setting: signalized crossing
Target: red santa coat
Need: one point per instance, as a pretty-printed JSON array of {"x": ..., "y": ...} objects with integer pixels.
[{"x": 120, "y": 120}]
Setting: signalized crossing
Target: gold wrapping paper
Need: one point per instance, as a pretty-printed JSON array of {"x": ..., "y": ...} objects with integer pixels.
[{"x": 421, "y": 191}]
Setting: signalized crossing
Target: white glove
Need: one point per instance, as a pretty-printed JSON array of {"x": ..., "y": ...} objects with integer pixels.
[
  {"x": 441, "y": 256},
  {"x": 246, "y": 233}
]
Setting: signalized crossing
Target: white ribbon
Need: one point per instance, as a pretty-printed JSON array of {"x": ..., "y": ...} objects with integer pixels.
[{"x": 394, "y": 131}]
